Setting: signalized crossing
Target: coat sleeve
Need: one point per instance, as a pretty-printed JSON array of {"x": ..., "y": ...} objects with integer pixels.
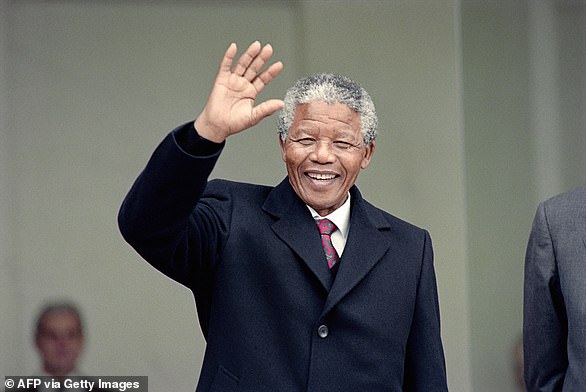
[
  {"x": 544, "y": 319},
  {"x": 425, "y": 368},
  {"x": 164, "y": 220}
]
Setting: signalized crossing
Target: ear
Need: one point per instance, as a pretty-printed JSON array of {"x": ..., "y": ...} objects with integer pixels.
[{"x": 368, "y": 152}]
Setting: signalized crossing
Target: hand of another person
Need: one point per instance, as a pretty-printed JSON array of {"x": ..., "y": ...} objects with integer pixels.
[{"x": 231, "y": 106}]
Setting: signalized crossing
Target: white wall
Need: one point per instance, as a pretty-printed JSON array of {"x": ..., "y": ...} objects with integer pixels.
[{"x": 10, "y": 302}]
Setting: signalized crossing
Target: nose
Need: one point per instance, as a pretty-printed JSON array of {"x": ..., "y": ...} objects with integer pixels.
[{"x": 322, "y": 152}]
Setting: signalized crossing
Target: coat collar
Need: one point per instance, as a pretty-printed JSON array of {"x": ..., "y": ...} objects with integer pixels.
[
  {"x": 296, "y": 227},
  {"x": 365, "y": 245}
]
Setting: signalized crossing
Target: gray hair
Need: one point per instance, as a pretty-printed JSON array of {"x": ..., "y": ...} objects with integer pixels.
[
  {"x": 329, "y": 88},
  {"x": 57, "y": 307}
]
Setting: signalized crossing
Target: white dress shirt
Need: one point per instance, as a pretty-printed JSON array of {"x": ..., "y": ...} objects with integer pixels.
[{"x": 340, "y": 218}]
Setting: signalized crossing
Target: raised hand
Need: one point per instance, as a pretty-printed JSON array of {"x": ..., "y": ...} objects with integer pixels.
[{"x": 231, "y": 106}]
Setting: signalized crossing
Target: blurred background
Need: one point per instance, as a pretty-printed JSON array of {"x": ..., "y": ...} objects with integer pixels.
[{"x": 482, "y": 109}]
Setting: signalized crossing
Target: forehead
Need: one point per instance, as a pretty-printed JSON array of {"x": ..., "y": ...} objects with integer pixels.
[
  {"x": 60, "y": 321},
  {"x": 319, "y": 113}
]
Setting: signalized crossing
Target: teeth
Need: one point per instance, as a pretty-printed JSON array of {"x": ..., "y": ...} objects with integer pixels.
[{"x": 322, "y": 176}]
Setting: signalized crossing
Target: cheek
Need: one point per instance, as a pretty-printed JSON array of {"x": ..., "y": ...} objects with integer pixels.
[
  {"x": 292, "y": 159},
  {"x": 353, "y": 168}
]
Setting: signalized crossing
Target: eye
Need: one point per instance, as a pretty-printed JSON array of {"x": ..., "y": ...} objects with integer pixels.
[
  {"x": 342, "y": 145},
  {"x": 306, "y": 141}
]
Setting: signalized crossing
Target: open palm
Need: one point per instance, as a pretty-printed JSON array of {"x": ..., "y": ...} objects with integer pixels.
[{"x": 231, "y": 106}]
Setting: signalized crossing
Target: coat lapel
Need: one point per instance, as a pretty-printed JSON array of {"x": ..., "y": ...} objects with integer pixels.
[
  {"x": 365, "y": 246},
  {"x": 296, "y": 227}
]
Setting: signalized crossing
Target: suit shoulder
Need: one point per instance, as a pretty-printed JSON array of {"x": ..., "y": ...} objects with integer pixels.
[
  {"x": 563, "y": 212},
  {"x": 235, "y": 188},
  {"x": 575, "y": 198}
]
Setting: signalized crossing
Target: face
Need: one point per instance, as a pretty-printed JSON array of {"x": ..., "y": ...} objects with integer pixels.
[
  {"x": 324, "y": 153},
  {"x": 59, "y": 342}
]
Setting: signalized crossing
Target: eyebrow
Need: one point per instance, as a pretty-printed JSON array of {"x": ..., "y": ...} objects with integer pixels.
[{"x": 340, "y": 133}]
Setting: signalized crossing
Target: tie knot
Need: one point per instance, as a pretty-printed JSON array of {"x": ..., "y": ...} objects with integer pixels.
[{"x": 325, "y": 226}]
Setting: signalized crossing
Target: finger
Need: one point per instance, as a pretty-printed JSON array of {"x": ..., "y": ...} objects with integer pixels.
[
  {"x": 227, "y": 60},
  {"x": 267, "y": 76},
  {"x": 259, "y": 61},
  {"x": 247, "y": 58},
  {"x": 265, "y": 109}
]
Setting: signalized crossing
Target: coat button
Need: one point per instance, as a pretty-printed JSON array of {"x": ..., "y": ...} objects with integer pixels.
[{"x": 323, "y": 331}]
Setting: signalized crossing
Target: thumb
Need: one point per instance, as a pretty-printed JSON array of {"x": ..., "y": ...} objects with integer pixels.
[{"x": 265, "y": 109}]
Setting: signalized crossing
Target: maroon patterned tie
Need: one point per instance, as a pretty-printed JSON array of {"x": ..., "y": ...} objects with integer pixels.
[{"x": 326, "y": 228}]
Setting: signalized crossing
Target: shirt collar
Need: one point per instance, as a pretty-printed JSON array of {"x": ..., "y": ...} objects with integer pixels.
[{"x": 340, "y": 217}]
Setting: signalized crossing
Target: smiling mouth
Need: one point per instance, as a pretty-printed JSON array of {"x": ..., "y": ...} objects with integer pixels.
[{"x": 321, "y": 176}]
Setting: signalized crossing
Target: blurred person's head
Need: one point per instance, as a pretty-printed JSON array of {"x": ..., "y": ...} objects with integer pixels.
[{"x": 59, "y": 338}]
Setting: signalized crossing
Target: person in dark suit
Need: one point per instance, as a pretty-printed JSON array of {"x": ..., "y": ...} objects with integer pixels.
[
  {"x": 554, "y": 320},
  {"x": 304, "y": 286}
]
